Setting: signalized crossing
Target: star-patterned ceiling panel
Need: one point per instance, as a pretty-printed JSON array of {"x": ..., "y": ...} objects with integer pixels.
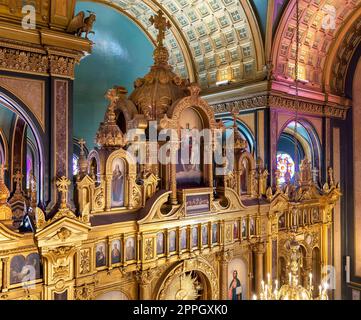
[
  {"x": 210, "y": 41},
  {"x": 320, "y": 21}
]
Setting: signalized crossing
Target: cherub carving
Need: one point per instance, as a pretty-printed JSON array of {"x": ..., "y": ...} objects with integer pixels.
[{"x": 80, "y": 24}]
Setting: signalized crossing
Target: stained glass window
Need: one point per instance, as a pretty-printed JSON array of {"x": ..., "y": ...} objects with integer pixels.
[
  {"x": 285, "y": 164},
  {"x": 75, "y": 164}
]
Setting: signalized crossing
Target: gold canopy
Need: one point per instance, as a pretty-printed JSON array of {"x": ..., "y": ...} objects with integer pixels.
[{"x": 161, "y": 87}]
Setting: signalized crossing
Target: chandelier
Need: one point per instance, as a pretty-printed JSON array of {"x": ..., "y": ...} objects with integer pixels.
[{"x": 293, "y": 290}]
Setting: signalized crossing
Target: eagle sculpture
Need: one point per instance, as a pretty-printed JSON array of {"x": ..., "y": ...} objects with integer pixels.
[{"x": 79, "y": 24}]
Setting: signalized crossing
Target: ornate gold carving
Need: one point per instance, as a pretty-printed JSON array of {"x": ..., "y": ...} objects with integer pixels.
[
  {"x": 149, "y": 249},
  {"x": 63, "y": 234},
  {"x": 84, "y": 261},
  {"x": 289, "y": 103},
  {"x": 85, "y": 292},
  {"x": 38, "y": 61},
  {"x": 80, "y": 24},
  {"x": 109, "y": 134}
]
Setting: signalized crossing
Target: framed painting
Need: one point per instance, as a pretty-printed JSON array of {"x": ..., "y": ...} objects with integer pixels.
[{"x": 196, "y": 204}]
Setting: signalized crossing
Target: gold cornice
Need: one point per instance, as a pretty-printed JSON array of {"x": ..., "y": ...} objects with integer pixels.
[{"x": 337, "y": 108}]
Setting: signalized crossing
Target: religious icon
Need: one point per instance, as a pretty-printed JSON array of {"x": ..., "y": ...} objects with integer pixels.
[
  {"x": 282, "y": 221},
  {"x": 235, "y": 288},
  {"x": 315, "y": 214},
  {"x": 197, "y": 204},
  {"x": 172, "y": 241},
  {"x": 244, "y": 229},
  {"x": 189, "y": 168},
  {"x": 195, "y": 237},
  {"x": 116, "y": 251},
  {"x": 235, "y": 230},
  {"x": 61, "y": 296},
  {"x": 23, "y": 270},
  {"x": 130, "y": 249},
  {"x": 214, "y": 233},
  {"x": 100, "y": 255},
  {"x": 118, "y": 183},
  {"x": 183, "y": 239},
  {"x": 160, "y": 243},
  {"x": 252, "y": 229},
  {"x": 204, "y": 235}
]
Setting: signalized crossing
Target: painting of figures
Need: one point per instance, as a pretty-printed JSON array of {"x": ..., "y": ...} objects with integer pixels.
[
  {"x": 118, "y": 182},
  {"x": 197, "y": 204},
  {"x": 130, "y": 249},
  {"x": 172, "y": 241},
  {"x": 115, "y": 251},
  {"x": 25, "y": 269},
  {"x": 100, "y": 255},
  {"x": 237, "y": 280}
]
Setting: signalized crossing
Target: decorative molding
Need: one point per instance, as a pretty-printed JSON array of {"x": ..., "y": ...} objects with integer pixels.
[
  {"x": 23, "y": 58},
  {"x": 31, "y": 92},
  {"x": 281, "y": 102}
]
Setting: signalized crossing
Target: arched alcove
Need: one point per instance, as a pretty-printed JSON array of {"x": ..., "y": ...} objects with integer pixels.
[
  {"x": 11, "y": 110},
  {"x": 298, "y": 140}
]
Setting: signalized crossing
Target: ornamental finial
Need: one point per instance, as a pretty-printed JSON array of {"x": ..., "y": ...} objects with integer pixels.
[
  {"x": 63, "y": 184},
  {"x": 162, "y": 25}
]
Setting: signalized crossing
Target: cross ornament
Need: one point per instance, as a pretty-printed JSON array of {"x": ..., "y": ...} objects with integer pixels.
[
  {"x": 161, "y": 24},
  {"x": 63, "y": 184},
  {"x": 81, "y": 144}
]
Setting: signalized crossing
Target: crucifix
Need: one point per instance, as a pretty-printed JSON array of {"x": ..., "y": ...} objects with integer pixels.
[
  {"x": 81, "y": 144},
  {"x": 161, "y": 24},
  {"x": 63, "y": 186}
]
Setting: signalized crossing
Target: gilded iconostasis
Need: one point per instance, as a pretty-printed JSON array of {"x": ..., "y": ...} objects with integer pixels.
[{"x": 180, "y": 150}]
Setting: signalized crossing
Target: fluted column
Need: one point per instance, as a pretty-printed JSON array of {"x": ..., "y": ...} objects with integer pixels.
[
  {"x": 259, "y": 250},
  {"x": 224, "y": 257}
]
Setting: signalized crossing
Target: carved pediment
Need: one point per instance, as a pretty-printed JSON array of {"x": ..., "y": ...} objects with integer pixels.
[
  {"x": 8, "y": 235},
  {"x": 279, "y": 202},
  {"x": 65, "y": 231}
]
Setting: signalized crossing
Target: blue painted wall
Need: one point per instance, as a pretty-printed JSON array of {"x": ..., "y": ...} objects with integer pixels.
[
  {"x": 121, "y": 53},
  {"x": 260, "y": 7}
]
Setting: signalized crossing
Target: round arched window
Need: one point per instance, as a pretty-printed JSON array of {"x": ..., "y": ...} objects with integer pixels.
[{"x": 285, "y": 164}]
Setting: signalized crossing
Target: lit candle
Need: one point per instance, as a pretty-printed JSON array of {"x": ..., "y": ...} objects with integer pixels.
[
  {"x": 310, "y": 280},
  {"x": 276, "y": 282},
  {"x": 262, "y": 284},
  {"x": 319, "y": 289},
  {"x": 289, "y": 278},
  {"x": 268, "y": 278},
  {"x": 254, "y": 297}
]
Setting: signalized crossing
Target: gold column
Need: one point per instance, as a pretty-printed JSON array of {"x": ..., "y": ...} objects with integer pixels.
[
  {"x": 173, "y": 172},
  {"x": 145, "y": 279},
  {"x": 259, "y": 249},
  {"x": 224, "y": 258},
  {"x": 4, "y": 274},
  {"x": 307, "y": 269}
]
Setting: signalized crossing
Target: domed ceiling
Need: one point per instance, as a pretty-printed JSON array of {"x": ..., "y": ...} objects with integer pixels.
[
  {"x": 320, "y": 22},
  {"x": 209, "y": 41}
]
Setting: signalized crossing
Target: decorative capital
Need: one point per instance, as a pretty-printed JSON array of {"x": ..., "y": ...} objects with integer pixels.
[{"x": 145, "y": 277}]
